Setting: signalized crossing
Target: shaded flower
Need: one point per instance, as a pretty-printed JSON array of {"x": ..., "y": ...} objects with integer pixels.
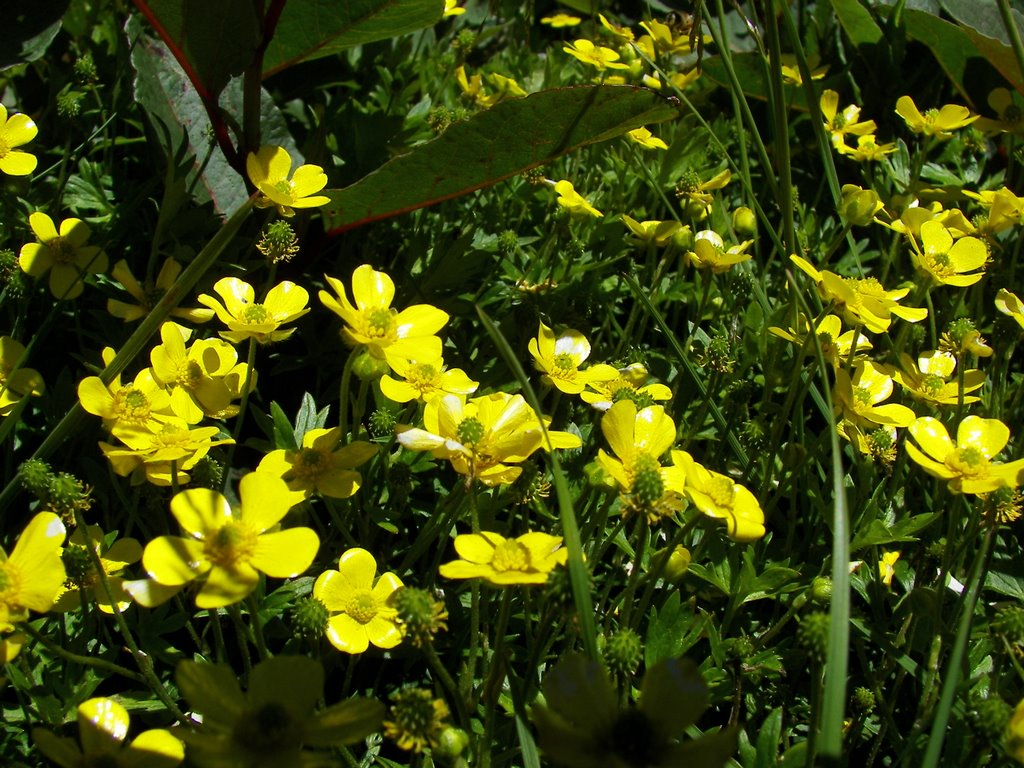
[
  {"x": 268, "y": 171},
  {"x": 939, "y": 123},
  {"x": 838, "y": 124},
  {"x": 561, "y": 20},
  {"x": 572, "y": 200},
  {"x": 931, "y": 378},
  {"x": 947, "y": 262},
  {"x": 417, "y": 719},
  {"x": 868, "y": 150},
  {"x": 360, "y": 607},
  {"x": 149, "y": 294},
  {"x": 659, "y": 233},
  {"x": 697, "y": 194},
  {"x": 81, "y": 569},
  {"x": 16, "y": 130},
  {"x": 485, "y": 437},
  {"x": 966, "y": 465},
  {"x": 321, "y": 465},
  {"x": 275, "y": 721},
  {"x": 646, "y": 139},
  {"x": 102, "y": 730},
  {"x": 560, "y": 359},
  {"x": 15, "y": 382},
  {"x": 371, "y": 321},
  {"x": 597, "y": 56},
  {"x": 632, "y": 383},
  {"x": 665, "y": 39},
  {"x": 63, "y": 253},
  {"x": 452, "y": 9},
  {"x": 720, "y": 497},
  {"x": 887, "y": 566},
  {"x": 228, "y": 548},
  {"x": 836, "y": 345},
  {"x": 285, "y": 303},
  {"x": 425, "y": 381},
  {"x": 33, "y": 575},
  {"x": 526, "y": 559},
  {"x": 1010, "y": 115},
  {"x": 709, "y": 252},
  {"x": 791, "y": 70},
  {"x": 1009, "y": 304}
]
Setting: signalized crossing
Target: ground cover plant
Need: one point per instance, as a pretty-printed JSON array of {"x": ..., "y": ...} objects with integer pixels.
[{"x": 408, "y": 382}]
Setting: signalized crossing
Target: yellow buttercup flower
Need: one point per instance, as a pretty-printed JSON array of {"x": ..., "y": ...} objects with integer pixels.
[
  {"x": 371, "y": 322},
  {"x": 484, "y": 438},
  {"x": 321, "y": 465},
  {"x": 1010, "y": 115},
  {"x": 910, "y": 221},
  {"x": 835, "y": 345},
  {"x": 859, "y": 400},
  {"x": 931, "y": 378},
  {"x": 646, "y": 139},
  {"x": 157, "y": 448},
  {"x": 887, "y": 567},
  {"x": 425, "y": 381},
  {"x": 33, "y": 575},
  {"x": 83, "y": 579},
  {"x": 572, "y": 200},
  {"x": 709, "y": 252},
  {"x": 15, "y": 382},
  {"x": 268, "y": 171},
  {"x": 721, "y": 498},
  {"x": 560, "y": 359},
  {"x": 631, "y": 384},
  {"x": 947, "y": 262},
  {"x": 868, "y": 150},
  {"x": 361, "y": 610},
  {"x": 697, "y": 195},
  {"x": 863, "y": 300},
  {"x": 1010, "y": 304},
  {"x": 638, "y": 438},
  {"x": 659, "y": 233},
  {"x": 149, "y": 294},
  {"x": 561, "y": 20},
  {"x": 838, "y": 124},
  {"x": 103, "y": 726},
  {"x": 137, "y": 404},
  {"x": 451, "y": 9},
  {"x": 791, "y": 71},
  {"x": 597, "y": 56},
  {"x": 665, "y": 39},
  {"x": 526, "y": 559},
  {"x": 63, "y": 253},
  {"x": 285, "y": 303},
  {"x": 966, "y": 465},
  {"x": 229, "y": 548},
  {"x": 1004, "y": 210},
  {"x": 16, "y": 130},
  {"x": 939, "y": 123}
]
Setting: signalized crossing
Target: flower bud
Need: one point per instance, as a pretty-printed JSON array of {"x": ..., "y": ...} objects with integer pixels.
[
  {"x": 859, "y": 206},
  {"x": 369, "y": 368},
  {"x": 744, "y": 221}
]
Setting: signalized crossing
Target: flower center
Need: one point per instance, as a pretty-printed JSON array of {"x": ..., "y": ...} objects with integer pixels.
[
  {"x": 311, "y": 463},
  {"x": 932, "y": 384},
  {"x": 254, "y": 314},
  {"x": 132, "y": 406},
  {"x": 721, "y": 490},
  {"x": 78, "y": 565},
  {"x": 868, "y": 286},
  {"x": 647, "y": 486},
  {"x": 267, "y": 730},
  {"x": 362, "y": 606},
  {"x": 510, "y": 556},
  {"x": 862, "y": 396},
  {"x": 171, "y": 436},
  {"x": 232, "y": 543},
  {"x": 565, "y": 362},
  {"x": 930, "y": 116},
  {"x": 63, "y": 251},
  {"x": 10, "y": 585},
  {"x": 4, "y": 147},
  {"x": 424, "y": 377},
  {"x": 379, "y": 322},
  {"x": 284, "y": 187},
  {"x": 189, "y": 375},
  {"x": 470, "y": 431}
]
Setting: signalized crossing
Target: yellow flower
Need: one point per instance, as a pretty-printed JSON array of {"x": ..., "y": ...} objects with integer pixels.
[
  {"x": 930, "y": 379},
  {"x": 697, "y": 194},
  {"x": 560, "y": 359},
  {"x": 1009, "y": 304},
  {"x": 967, "y": 464},
  {"x": 320, "y": 465},
  {"x": 1008, "y": 108},
  {"x": 561, "y": 20},
  {"x": 887, "y": 567},
  {"x": 709, "y": 252},
  {"x": 573, "y": 201},
  {"x": 82, "y": 575},
  {"x": 156, "y": 448},
  {"x": 868, "y": 150},
  {"x": 137, "y": 404},
  {"x": 195, "y": 377},
  {"x": 720, "y": 497},
  {"x": 595, "y": 55},
  {"x": 947, "y": 262},
  {"x": 425, "y": 381},
  {"x": 857, "y": 399},
  {"x": 666, "y": 40},
  {"x": 33, "y": 575},
  {"x": 15, "y": 382},
  {"x": 939, "y": 123},
  {"x": 147, "y": 296},
  {"x": 361, "y": 611},
  {"x": 285, "y": 303},
  {"x": 837, "y": 123},
  {"x": 638, "y": 438},
  {"x": 858, "y": 206},
  {"x": 102, "y": 729},
  {"x": 1014, "y": 735},
  {"x": 526, "y": 559},
  {"x": 658, "y": 233},
  {"x": 646, "y": 139},
  {"x": 630, "y": 384},
  {"x": 231, "y": 547},
  {"x": 1004, "y": 210},
  {"x": 386, "y": 332},
  {"x": 268, "y": 171},
  {"x": 65, "y": 254},
  {"x": 678, "y": 80},
  {"x": 910, "y": 221},
  {"x": 835, "y": 345},
  {"x": 482, "y": 437},
  {"x": 16, "y": 130},
  {"x": 791, "y": 71},
  {"x": 451, "y": 9},
  {"x": 473, "y": 88},
  {"x": 621, "y": 34},
  {"x": 863, "y": 300}
]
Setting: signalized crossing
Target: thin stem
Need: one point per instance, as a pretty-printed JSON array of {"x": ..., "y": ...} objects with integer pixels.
[
  {"x": 74, "y": 658},
  {"x": 243, "y": 405}
]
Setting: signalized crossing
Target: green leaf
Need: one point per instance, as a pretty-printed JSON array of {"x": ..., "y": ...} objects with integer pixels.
[
  {"x": 950, "y": 44},
  {"x": 309, "y": 418},
  {"x": 284, "y": 435},
  {"x": 312, "y": 29},
  {"x": 768, "y": 739},
  {"x": 672, "y": 631},
  {"x": 28, "y": 28},
  {"x": 500, "y": 142},
  {"x": 880, "y": 533},
  {"x": 857, "y": 22}
]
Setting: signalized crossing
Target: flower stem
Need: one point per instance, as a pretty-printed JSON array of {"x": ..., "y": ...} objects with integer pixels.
[
  {"x": 346, "y": 383},
  {"x": 74, "y": 658},
  {"x": 243, "y": 405}
]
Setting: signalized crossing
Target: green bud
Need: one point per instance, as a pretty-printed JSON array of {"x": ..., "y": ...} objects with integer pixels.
[
  {"x": 36, "y": 476},
  {"x": 678, "y": 563},
  {"x": 989, "y": 717},
  {"x": 278, "y": 242},
  {"x": 382, "y": 422},
  {"x": 862, "y": 700},
  {"x": 859, "y": 206},
  {"x": 821, "y": 590},
  {"x": 369, "y": 368},
  {"x": 623, "y": 652},
  {"x": 744, "y": 221},
  {"x": 813, "y": 635},
  {"x": 309, "y": 618},
  {"x": 451, "y": 743}
]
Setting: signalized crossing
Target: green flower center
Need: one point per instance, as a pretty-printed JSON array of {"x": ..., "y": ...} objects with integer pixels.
[
  {"x": 470, "y": 431},
  {"x": 862, "y": 396},
  {"x": 78, "y": 565},
  {"x": 171, "y": 436},
  {"x": 10, "y": 583},
  {"x": 423, "y": 377},
  {"x": 868, "y": 286},
  {"x": 4, "y": 146},
  {"x": 231, "y": 544},
  {"x": 565, "y": 362},
  {"x": 132, "y": 406},
  {"x": 284, "y": 187},
  {"x": 189, "y": 375},
  {"x": 930, "y": 116},
  {"x": 1012, "y": 114},
  {"x": 647, "y": 486},
  {"x": 932, "y": 384},
  {"x": 379, "y": 321},
  {"x": 721, "y": 490},
  {"x": 510, "y": 556},
  {"x": 265, "y": 731},
  {"x": 254, "y": 314},
  {"x": 839, "y": 121},
  {"x": 362, "y": 606},
  {"x": 634, "y": 739}
]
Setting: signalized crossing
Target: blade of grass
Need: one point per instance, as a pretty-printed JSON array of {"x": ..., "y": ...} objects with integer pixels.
[{"x": 570, "y": 529}]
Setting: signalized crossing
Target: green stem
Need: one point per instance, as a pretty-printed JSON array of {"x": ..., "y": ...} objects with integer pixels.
[
  {"x": 74, "y": 658},
  {"x": 1014, "y": 34},
  {"x": 346, "y": 383},
  {"x": 494, "y": 678},
  {"x": 448, "y": 683},
  {"x": 257, "y": 627},
  {"x": 243, "y": 405}
]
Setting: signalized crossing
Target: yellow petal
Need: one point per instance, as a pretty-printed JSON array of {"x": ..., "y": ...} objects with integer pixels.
[
  {"x": 200, "y": 510},
  {"x": 287, "y": 553}
]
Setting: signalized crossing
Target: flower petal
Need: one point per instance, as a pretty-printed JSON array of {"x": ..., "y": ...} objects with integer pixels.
[
  {"x": 285, "y": 554},
  {"x": 200, "y": 510}
]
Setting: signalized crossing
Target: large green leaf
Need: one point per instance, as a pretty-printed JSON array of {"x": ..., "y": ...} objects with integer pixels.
[
  {"x": 949, "y": 43},
  {"x": 28, "y": 28},
  {"x": 857, "y": 22},
  {"x": 507, "y": 139},
  {"x": 310, "y": 29}
]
